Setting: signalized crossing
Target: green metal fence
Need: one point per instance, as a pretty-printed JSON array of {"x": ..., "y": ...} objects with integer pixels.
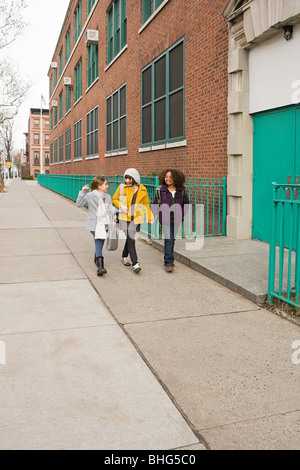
[
  {"x": 206, "y": 215},
  {"x": 284, "y": 261}
]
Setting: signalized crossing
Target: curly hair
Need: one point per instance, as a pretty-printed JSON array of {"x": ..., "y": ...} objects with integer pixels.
[{"x": 177, "y": 175}]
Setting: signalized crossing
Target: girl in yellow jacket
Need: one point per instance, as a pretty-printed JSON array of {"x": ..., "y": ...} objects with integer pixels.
[{"x": 132, "y": 200}]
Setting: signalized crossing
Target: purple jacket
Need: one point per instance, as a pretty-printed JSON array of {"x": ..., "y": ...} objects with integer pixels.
[{"x": 171, "y": 209}]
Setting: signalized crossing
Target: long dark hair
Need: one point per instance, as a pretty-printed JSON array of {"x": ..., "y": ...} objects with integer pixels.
[{"x": 177, "y": 175}]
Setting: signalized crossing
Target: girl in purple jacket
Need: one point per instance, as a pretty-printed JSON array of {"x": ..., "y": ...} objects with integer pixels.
[{"x": 170, "y": 204}]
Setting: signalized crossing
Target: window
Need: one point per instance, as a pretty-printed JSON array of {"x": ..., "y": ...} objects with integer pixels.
[
  {"x": 90, "y": 4},
  {"x": 68, "y": 145},
  {"x": 55, "y": 116},
  {"x": 116, "y": 120},
  {"x": 116, "y": 28},
  {"x": 47, "y": 124},
  {"x": 61, "y": 62},
  {"x": 51, "y": 153},
  {"x": 51, "y": 85},
  {"x": 61, "y": 148},
  {"x": 68, "y": 98},
  {"x": 92, "y": 64},
  {"x": 36, "y": 123},
  {"x": 92, "y": 133},
  {"x": 163, "y": 97},
  {"x": 78, "y": 80},
  {"x": 149, "y": 7},
  {"x": 61, "y": 106},
  {"x": 51, "y": 119},
  {"x": 77, "y": 140},
  {"x": 46, "y": 139},
  {"x": 77, "y": 21},
  {"x": 36, "y": 158},
  {"x": 68, "y": 44},
  {"x": 55, "y": 77},
  {"x": 47, "y": 158},
  {"x": 55, "y": 151},
  {"x": 36, "y": 139}
]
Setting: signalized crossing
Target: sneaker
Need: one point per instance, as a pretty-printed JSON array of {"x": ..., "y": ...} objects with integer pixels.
[
  {"x": 125, "y": 262},
  {"x": 137, "y": 268},
  {"x": 169, "y": 268}
]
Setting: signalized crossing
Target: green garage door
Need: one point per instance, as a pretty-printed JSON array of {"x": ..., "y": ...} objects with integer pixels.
[{"x": 276, "y": 154}]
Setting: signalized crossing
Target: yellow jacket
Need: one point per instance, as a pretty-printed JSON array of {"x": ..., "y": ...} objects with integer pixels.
[{"x": 142, "y": 212}]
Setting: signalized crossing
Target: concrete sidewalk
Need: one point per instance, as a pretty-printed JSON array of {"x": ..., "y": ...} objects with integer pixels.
[{"x": 148, "y": 361}]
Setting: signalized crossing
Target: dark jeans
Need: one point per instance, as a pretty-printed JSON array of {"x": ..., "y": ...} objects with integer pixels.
[
  {"x": 170, "y": 232},
  {"x": 129, "y": 248}
]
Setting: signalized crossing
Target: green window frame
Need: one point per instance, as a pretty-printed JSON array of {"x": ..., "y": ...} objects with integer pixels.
[
  {"x": 68, "y": 98},
  {"x": 55, "y": 116},
  {"x": 90, "y": 4},
  {"x": 68, "y": 145},
  {"x": 78, "y": 80},
  {"x": 92, "y": 64},
  {"x": 116, "y": 28},
  {"x": 77, "y": 21},
  {"x": 61, "y": 148},
  {"x": 163, "y": 97},
  {"x": 68, "y": 44},
  {"x": 51, "y": 153},
  {"x": 92, "y": 145},
  {"x": 55, "y": 77},
  {"x": 61, "y": 105},
  {"x": 116, "y": 120},
  {"x": 61, "y": 62},
  {"x": 51, "y": 85},
  {"x": 51, "y": 119},
  {"x": 149, "y": 7},
  {"x": 55, "y": 151},
  {"x": 78, "y": 140}
]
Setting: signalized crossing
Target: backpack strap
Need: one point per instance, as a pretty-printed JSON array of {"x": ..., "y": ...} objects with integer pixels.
[
  {"x": 122, "y": 185},
  {"x": 158, "y": 195}
]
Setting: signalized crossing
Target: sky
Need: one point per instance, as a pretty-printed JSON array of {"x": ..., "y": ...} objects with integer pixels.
[{"x": 32, "y": 53}]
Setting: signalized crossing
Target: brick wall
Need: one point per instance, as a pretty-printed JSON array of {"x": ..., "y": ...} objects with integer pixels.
[{"x": 206, "y": 49}]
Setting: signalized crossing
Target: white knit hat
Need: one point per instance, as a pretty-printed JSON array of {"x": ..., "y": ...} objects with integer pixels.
[{"x": 134, "y": 174}]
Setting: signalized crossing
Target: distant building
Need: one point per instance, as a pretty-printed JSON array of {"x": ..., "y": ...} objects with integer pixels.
[
  {"x": 140, "y": 83},
  {"x": 38, "y": 152}
]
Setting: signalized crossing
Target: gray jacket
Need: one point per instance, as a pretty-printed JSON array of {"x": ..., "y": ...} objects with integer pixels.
[{"x": 91, "y": 200}]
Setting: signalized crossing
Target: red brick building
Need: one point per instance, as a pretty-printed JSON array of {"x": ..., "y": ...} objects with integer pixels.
[
  {"x": 37, "y": 142},
  {"x": 140, "y": 83}
]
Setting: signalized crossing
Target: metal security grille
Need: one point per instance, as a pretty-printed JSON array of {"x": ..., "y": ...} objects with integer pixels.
[
  {"x": 284, "y": 261},
  {"x": 207, "y": 211}
]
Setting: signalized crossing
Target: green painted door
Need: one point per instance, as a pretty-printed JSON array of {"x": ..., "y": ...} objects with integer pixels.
[{"x": 276, "y": 154}]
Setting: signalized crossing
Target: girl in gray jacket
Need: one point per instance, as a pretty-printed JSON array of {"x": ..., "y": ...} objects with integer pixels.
[{"x": 100, "y": 210}]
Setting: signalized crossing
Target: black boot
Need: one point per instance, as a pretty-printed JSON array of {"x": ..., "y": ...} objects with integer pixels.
[{"x": 100, "y": 266}]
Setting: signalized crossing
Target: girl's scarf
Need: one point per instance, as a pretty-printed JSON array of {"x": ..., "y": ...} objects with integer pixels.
[{"x": 102, "y": 216}]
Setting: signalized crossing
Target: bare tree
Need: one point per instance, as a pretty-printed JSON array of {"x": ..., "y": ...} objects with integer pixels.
[
  {"x": 6, "y": 139},
  {"x": 12, "y": 88},
  {"x": 12, "y": 92},
  {"x": 11, "y": 21}
]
